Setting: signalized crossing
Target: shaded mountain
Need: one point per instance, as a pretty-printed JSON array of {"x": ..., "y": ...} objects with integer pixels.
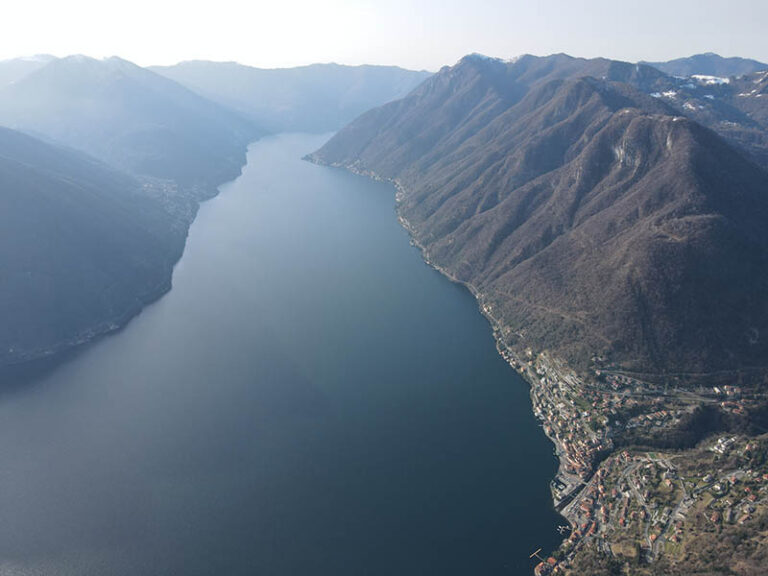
[
  {"x": 587, "y": 215},
  {"x": 131, "y": 118},
  {"x": 15, "y": 69},
  {"x": 709, "y": 64},
  {"x": 82, "y": 246},
  {"x": 316, "y": 98}
]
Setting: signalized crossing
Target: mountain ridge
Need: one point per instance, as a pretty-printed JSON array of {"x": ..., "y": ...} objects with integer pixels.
[
  {"x": 493, "y": 186},
  {"x": 122, "y": 158},
  {"x": 131, "y": 118},
  {"x": 709, "y": 64},
  {"x": 312, "y": 98}
]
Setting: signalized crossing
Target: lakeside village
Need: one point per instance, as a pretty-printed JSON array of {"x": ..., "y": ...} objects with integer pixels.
[
  {"x": 643, "y": 509},
  {"x": 633, "y": 505}
]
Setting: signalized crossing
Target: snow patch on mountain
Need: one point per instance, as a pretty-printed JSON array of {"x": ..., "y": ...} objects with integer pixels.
[{"x": 710, "y": 80}]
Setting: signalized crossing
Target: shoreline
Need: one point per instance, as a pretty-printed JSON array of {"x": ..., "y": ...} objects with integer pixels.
[
  {"x": 37, "y": 363},
  {"x": 525, "y": 369}
]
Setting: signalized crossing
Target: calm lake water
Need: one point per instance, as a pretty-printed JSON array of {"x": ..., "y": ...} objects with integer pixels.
[{"x": 310, "y": 398}]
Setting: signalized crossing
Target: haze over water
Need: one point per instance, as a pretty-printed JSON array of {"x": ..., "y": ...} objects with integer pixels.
[{"x": 310, "y": 398}]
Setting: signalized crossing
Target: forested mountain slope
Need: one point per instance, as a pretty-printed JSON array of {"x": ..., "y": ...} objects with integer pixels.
[
  {"x": 589, "y": 216},
  {"x": 82, "y": 246}
]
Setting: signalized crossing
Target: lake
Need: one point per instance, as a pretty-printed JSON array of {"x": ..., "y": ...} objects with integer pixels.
[{"x": 309, "y": 398}]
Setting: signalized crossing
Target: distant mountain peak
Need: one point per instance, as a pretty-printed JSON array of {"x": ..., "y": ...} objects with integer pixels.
[
  {"x": 477, "y": 56},
  {"x": 14, "y": 69},
  {"x": 106, "y": 62},
  {"x": 129, "y": 116},
  {"x": 79, "y": 59},
  {"x": 313, "y": 98},
  {"x": 709, "y": 64},
  {"x": 33, "y": 58}
]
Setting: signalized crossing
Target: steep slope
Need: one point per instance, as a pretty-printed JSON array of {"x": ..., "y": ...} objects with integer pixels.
[
  {"x": 588, "y": 217},
  {"x": 316, "y": 98},
  {"x": 131, "y": 118},
  {"x": 709, "y": 64},
  {"x": 464, "y": 99},
  {"x": 82, "y": 247}
]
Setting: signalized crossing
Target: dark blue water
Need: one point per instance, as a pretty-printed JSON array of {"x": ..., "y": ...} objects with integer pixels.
[{"x": 310, "y": 398}]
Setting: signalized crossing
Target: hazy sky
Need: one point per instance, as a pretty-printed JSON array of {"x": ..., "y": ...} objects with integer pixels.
[{"x": 411, "y": 33}]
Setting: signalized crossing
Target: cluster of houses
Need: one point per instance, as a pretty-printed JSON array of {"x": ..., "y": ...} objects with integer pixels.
[
  {"x": 736, "y": 498},
  {"x": 730, "y": 398},
  {"x": 626, "y": 488},
  {"x": 620, "y": 495},
  {"x": 546, "y": 567},
  {"x": 657, "y": 418},
  {"x": 618, "y": 382},
  {"x": 727, "y": 391},
  {"x": 723, "y": 444},
  {"x": 568, "y": 424}
]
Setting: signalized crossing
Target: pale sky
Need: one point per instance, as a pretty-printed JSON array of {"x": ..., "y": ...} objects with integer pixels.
[{"x": 415, "y": 34}]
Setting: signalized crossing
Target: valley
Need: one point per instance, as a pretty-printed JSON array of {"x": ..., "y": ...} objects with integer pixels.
[
  {"x": 164, "y": 145},
  {"x": 310, "y": 385},
  {"x": 529, "y": 180},
  {"x": 368, "y": 422}
]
